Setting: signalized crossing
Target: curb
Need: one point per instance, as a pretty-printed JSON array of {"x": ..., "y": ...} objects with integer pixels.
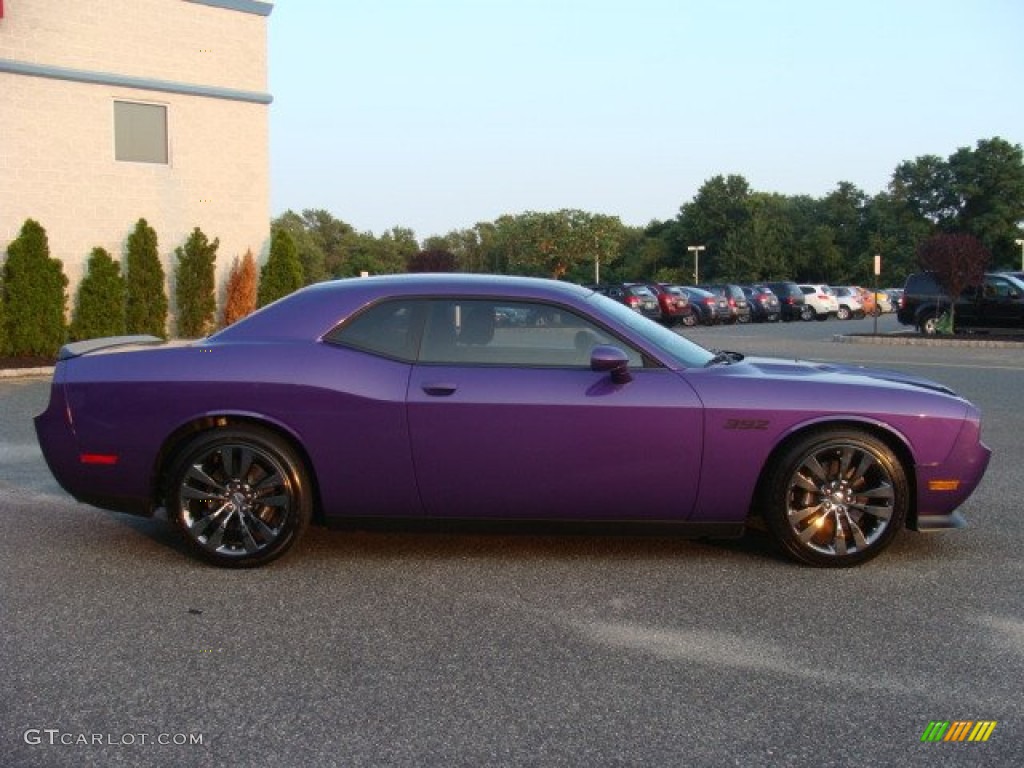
[
  {"x": 929, "y": 341},
  {"x": 19, "y": 373}
]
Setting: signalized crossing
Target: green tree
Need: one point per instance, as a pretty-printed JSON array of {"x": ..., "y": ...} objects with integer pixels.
[
  {"x": 282, "y": 274},
  {"x": 334, "y": 237},
  {"x": 35, "y": 297},
  {"x": 99, "y": 305},
  {"x": 720, "y": 207},
  {"x": 195, "y": 289},
  {"x": 145, "y": 289},
  {"x": 644, "y": 253},
  {"x": 773, "y": 220},
  {"x": 988, "y": 185},
  {"x": 925, "y": 186},
  {"x": 310, "y": 240},
  {"x": 894, "y": 232},
  {"x": 4, "y": 344},
  {"x": 842, "y": 254},
  {"x": 467, "y": 246},
  {"x": 558, "y": 243}
]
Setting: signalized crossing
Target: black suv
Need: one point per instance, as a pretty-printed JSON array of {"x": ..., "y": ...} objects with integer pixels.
[
  {"x": 996, "y": 304},
  {"x": 791, "y": 299}
]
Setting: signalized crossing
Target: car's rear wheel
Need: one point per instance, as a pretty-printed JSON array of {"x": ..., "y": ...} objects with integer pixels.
[
  {"x": 836, "y": 498},
  {"x": 240, "y": 495},
  {"x": 807, "y": 312}
]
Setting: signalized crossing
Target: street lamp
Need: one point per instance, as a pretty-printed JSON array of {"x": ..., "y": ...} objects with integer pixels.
[
  {"x": 1021, "y": 244},
  {"x": 696, "y": 249}
]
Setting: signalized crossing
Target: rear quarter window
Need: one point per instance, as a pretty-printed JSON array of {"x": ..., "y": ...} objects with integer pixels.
[{"x": 390, "y": 329}]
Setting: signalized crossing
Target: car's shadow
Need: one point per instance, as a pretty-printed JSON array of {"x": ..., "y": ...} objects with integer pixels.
[{"x": 459, "y": 540}]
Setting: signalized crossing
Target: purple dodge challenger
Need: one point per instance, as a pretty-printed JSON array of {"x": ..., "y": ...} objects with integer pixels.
[{"x": 457, "y": 397}]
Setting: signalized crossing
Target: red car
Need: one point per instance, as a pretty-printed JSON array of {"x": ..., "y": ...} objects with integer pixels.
[{"x": 674, "y": 304}]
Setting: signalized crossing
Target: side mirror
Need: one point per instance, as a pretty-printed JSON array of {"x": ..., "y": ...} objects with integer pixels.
[{"x": 612, "y": 360}]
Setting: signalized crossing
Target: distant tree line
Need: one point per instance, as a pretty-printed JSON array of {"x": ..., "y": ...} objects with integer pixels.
[{"x": 748, "y": 235}]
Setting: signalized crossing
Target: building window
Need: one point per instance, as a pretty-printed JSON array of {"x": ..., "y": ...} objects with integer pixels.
[{"x": 140, "y": 132}]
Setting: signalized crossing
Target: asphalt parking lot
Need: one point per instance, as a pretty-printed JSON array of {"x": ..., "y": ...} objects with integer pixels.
[{"x": 408, "y": 649}]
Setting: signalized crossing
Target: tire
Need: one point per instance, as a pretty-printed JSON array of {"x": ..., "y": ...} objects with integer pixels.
[
  {"x": 807, "y": 313},
  {"x": 240, "y": 496},
  {"x": 843, "y": 313},
  {"x": 690, "y": 320},
  {"x": 836, "y": 498},
  {"x": 929, "y": 324}
]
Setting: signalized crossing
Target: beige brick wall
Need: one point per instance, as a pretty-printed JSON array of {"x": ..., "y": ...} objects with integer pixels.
[
  {"x": 57, "y": 138},
  {"x": 159, "y": 39}
]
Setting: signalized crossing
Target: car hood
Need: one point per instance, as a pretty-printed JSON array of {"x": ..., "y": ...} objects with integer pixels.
[{"x": 804, "y": 369}]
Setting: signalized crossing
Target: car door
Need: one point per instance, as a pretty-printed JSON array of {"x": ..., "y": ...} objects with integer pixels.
[
  {"x": 507, "y": 421},
  {"x": 1002, "y": 305}
]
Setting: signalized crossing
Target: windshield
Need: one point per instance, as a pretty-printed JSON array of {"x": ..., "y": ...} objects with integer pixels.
[
  {"x": 1015, "y": 281},
  {"x": 670, "y": 344}
]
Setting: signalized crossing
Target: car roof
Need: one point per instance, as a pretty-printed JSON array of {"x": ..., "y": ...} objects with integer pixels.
[{"x": 315, "y": 309}]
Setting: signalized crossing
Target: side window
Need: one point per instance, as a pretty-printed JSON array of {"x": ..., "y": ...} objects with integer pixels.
[
  {"x": 390, "y": 329},
  {"x": 511, "y": 333},
  {"x": 997, "y": 287}
]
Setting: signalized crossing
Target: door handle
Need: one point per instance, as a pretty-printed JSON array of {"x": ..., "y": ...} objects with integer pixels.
[{"x": 439, "y": 389}]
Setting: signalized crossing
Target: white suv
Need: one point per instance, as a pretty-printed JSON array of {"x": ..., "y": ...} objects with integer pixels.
[
  {"x": 850, "y": 304},
  {"x": 819, "y": 302}
]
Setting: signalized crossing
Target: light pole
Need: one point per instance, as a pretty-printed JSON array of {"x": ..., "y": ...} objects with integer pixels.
[
  {"x": 1021, "y": 244},
  {"x": 696, "y": 249}
]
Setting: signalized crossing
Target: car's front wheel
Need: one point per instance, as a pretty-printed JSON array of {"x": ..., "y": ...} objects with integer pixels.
[
  {"x": 931, "y": 323},
  {"x": 836, "y": 498},
  {"x": 240, "y": 495},
  {"x": 843, "y": 313}
]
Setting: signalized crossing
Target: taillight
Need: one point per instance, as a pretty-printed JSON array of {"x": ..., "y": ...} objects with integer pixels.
[{"x": 633, "y": 301}]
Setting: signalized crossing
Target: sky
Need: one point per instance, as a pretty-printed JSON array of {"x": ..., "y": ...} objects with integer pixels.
[{"x": 435, "y": 115}]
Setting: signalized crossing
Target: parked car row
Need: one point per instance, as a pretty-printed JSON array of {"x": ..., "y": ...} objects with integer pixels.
[{"x": 715, "y": 303}]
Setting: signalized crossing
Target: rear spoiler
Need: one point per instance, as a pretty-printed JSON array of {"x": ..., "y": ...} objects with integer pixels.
[{"x": 79, "y": 348}]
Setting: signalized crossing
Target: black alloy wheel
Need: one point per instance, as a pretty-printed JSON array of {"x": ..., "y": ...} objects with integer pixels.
[{"x": 239, "y": 495}]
